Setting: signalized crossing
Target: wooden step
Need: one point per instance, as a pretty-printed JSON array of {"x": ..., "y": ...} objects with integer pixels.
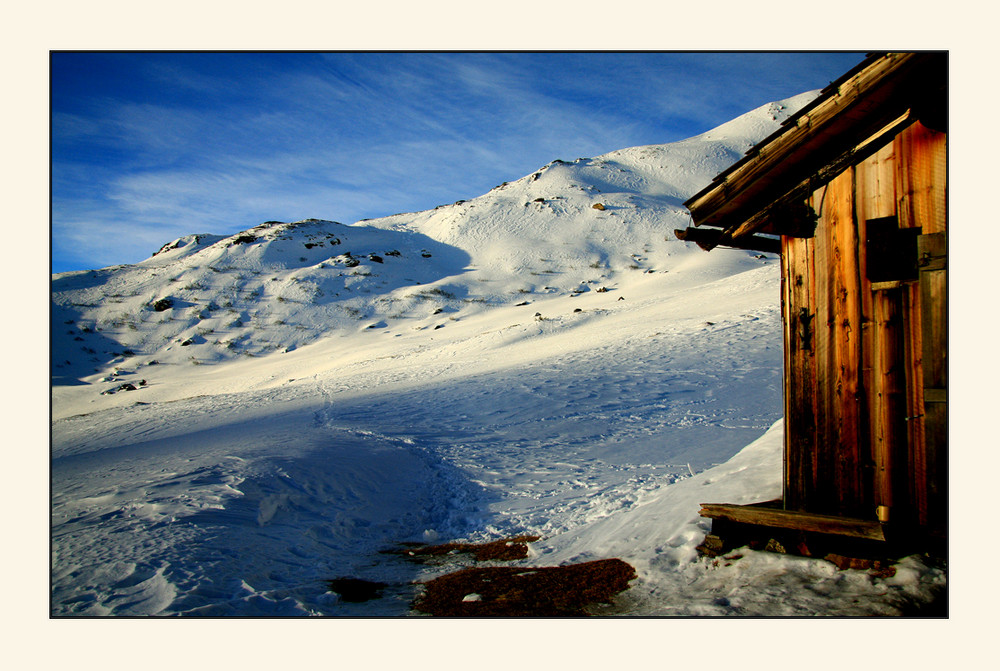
[{"x": 790, "y": 519}]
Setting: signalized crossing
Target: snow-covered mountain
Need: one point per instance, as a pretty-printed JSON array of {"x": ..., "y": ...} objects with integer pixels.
[
  {"x": 238, "y": 418},
  {"x": 569, "y": 227}
]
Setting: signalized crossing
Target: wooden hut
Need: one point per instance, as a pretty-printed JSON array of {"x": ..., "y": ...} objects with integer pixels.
[{"x": 851, "y": 191}]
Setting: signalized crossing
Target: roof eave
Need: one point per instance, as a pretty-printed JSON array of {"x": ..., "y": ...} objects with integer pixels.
[{"x": 873, "y": 96}]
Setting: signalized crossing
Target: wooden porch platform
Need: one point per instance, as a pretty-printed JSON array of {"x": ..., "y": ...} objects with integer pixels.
[
  {"x": 848, "y": 542},
  {"x": 769, "y": 515}
]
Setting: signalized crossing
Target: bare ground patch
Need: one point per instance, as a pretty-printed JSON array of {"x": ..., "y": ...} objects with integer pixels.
[{"x": 502, "y": 591}]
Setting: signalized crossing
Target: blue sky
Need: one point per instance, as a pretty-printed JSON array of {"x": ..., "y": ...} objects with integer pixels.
[{"x": 147, "y": 147}]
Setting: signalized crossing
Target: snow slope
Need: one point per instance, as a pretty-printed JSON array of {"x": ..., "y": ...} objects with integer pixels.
[{"x": 237, "y": 419}]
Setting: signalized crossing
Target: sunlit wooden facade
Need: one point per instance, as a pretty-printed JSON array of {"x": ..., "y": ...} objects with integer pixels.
[{"x": 852, "y": 192}]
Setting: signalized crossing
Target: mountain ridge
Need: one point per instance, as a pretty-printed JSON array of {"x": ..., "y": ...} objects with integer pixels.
[{"x": 565, "y": 229}]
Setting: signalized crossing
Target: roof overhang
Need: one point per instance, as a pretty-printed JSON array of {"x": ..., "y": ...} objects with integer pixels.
[{"x": 763, "y": 192}]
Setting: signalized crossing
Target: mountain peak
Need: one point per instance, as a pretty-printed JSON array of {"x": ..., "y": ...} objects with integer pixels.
[{"x": 565, "y": 229}]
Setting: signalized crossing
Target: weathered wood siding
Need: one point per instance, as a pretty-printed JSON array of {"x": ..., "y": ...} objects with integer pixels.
[
  {"x": 924, "y": 170},
  {"x": 861, "y": 431}
]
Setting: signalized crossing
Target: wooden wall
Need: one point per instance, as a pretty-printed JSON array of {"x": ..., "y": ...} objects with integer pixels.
[{"x": 864, "y": 339}]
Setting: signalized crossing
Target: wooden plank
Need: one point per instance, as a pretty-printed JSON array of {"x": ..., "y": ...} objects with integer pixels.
[
  {"x": 934, "y": 349},
  {"x": 798, "y": 307},
  {"x": 868, "y": 206},
  {"x": 908, "y": 178},
  {"x": 789, "y": 519},
  {"x": 887, "y": 133},
  {"x": 893, "y": 284},
  {"x": 787, "y": 331},
  {"x": 916, "y": 466},
  {"x": 823, "y": 495},
  {"x": 889, "y": 395},
  {"x": 845, "y": 392}
]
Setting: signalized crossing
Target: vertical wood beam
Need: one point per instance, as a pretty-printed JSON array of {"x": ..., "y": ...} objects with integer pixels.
[
  {"x": 890, "y": 445},
  {"x": 824, "y": 494},
  {"x": 801, "y": 467},
  {"x": 934, "y": 332},
  {"x": 920, "y": 472}
]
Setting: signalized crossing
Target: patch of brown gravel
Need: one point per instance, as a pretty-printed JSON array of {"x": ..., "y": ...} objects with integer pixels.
[{"x": 502, "y": 591}]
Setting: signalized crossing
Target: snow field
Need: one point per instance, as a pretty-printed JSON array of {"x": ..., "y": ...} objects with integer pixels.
[{"x": 520, "y": 363}]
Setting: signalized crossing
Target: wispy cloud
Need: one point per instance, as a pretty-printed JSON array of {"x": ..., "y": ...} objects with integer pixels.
[{"x": 147, "y": 147}]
